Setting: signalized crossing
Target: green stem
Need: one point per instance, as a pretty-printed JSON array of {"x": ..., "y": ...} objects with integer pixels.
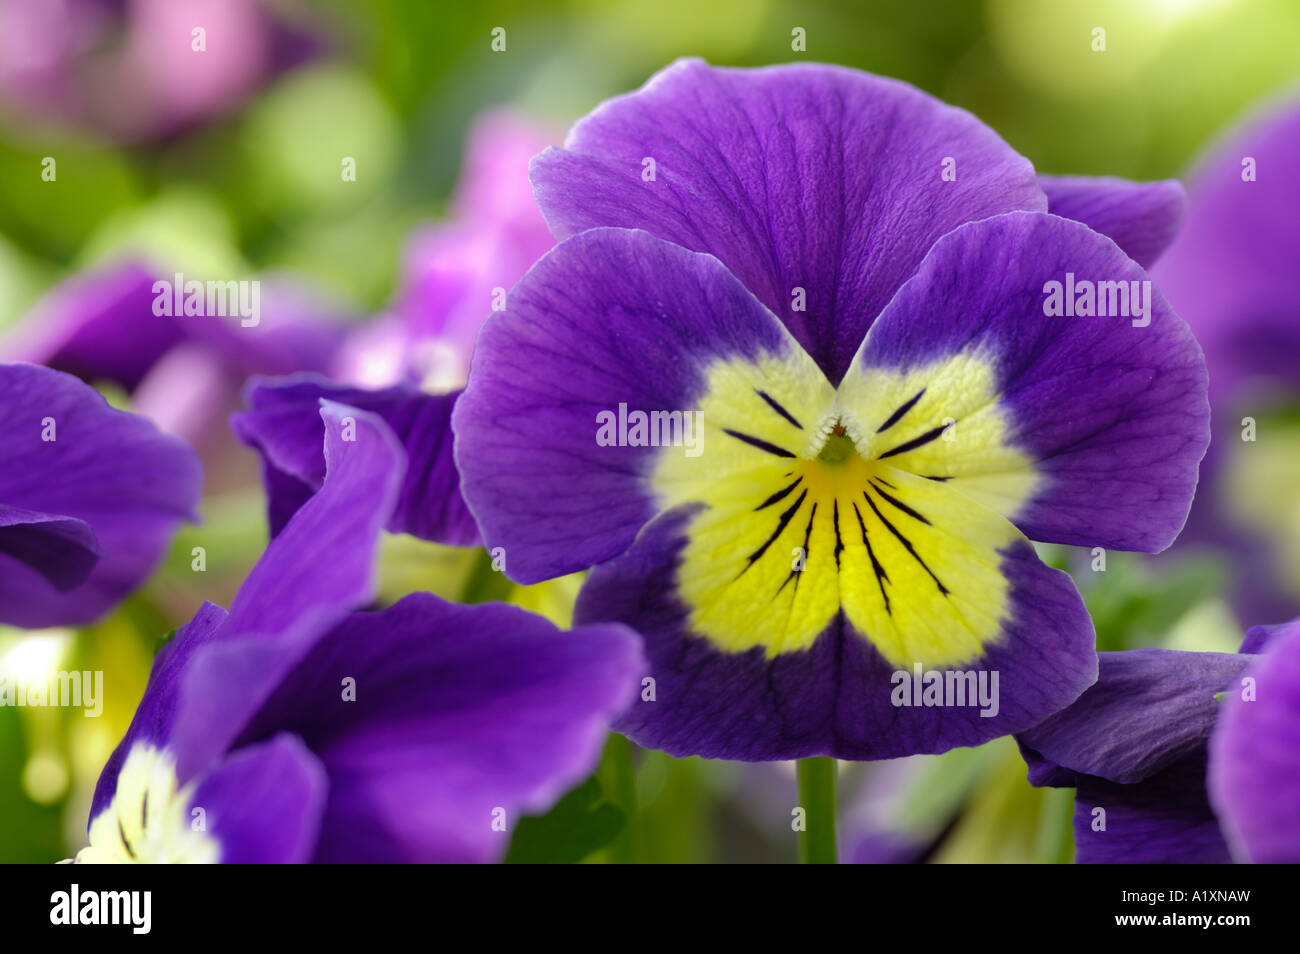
[
  {"x": 817, "y": 799},
  {"x": 618, "y": 778}
]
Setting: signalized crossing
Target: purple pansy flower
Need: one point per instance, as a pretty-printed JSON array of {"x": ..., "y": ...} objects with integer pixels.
[
  {"x": 89, "y": 497},
  {"x": 1138, "y": 744},
  {"x": 293, "y": 728},
  {"x": 794, "y": 385}
]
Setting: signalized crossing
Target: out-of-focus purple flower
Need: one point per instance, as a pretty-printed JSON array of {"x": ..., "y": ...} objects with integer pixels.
[
  {"x": 1255, "y": 755},
  {"x": 89, "y": 497},
  {"x": 1232, "y": 274},
  {"x": 294, "y": 728},
  {"x": 187, "y": 370},
  {"x": 1136, "y": 746},
  {"x": 139, "y": 69},
  {"x": 453, "y": 269},
  {"x": 738, "y": 386}
]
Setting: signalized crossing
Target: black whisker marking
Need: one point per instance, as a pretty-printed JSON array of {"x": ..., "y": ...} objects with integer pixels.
[
  {"x": 779, "y": 495},
  {"x": 898, "y": 414},
  {"x": 902, "y": 506},
  {"x": 932, "y": 477},
  {"x": 915, "y": 442},
  {"x": 759, "y": 443},
  {"x": 881, "y": 576},
  {"x": 839, "y": 542},
  {"x": 796, "y": 574},
  {"x": 126, "y": 842},
  {"x": 907, "y": 544},
  {"x": 780, "y": 526},
  {"x": 772, "y": 403}
]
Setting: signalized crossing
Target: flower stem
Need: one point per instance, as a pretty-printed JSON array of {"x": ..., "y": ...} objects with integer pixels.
[
  {"x": 817, "y": 799},
  {"x": 618, "y": 778}
]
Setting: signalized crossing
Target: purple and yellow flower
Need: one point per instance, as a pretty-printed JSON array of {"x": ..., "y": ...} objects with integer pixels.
[
  {"x": 294, "y": 728},
  {"x": 89, "y": 498},
  {"x": 1182, "y": 757},
  {"x": 793, "y": 385}
]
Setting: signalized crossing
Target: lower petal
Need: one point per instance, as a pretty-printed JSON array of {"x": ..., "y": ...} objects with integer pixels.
[{"x": 925, "y": 682}]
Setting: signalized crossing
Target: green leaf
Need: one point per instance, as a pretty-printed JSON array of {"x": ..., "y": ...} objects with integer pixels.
[{"x": 581, "y": 822}]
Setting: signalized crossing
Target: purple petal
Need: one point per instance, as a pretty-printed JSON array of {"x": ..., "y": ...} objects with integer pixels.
[
  {"x": 803, "y": 176},
  {"x": 98, "y": 325},
  {"x": 1231, "y": 271},
  {"x": 1148, "y": 709},
  {"x": 835, "y": 698},
  {"x": 220, "y": 667},
  {"x": 61, "y": 549},
  {"x": 1142, "y": 218},
  {"x": 1255, "y": 758},
  {"x": 609, "y": 317},
  {"x": 1164, "y": 820},
  {"x": 458, "y": 711},
  {"x": 283, "y": 425},
  {"x": 107, "y": 478},
  {"x": 1113, "y": 417},
  {"x": 263, "y": 804}
]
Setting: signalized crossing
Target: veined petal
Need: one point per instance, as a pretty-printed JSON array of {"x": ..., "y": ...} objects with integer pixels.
[
  {"x": 1083, "y": 429},
  {"x": 1142, "y": 218},
  {"x": 617, "y": 352},
  {"x": 1148, "y": 709},
  {"x": 284, "y": 426},
  {"x": 1255, "y": 758},
  {"x": 820, "y": 188},
  {"x": 1026, "y": 649},
  {"x": 460, "y": 716},
  {"x": 93, "y": 481}
]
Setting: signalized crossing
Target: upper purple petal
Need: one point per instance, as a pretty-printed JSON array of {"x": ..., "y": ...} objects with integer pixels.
[
  {"x": 1113, "y": 415},
  {"x": 798, "y": 176},
  {"x": 107, "y": 482},
  {"x": 1142, "y": 218}
]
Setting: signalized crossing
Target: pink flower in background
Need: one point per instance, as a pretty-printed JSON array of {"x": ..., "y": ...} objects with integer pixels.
[
  {"x": 452, "y": 269},
  {"x": 130, "y": 68}
]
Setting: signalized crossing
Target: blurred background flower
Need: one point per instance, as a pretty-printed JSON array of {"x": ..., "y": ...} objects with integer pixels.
[{"x": 367, "y": 163}]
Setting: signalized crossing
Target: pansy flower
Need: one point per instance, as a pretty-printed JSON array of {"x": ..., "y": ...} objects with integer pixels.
[
  {"x": 800, "y": 384},
  {"x": 1181, "y": 757},
  {"x": 293, "y": 728},
  {"x": 89, "y": 497}
]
